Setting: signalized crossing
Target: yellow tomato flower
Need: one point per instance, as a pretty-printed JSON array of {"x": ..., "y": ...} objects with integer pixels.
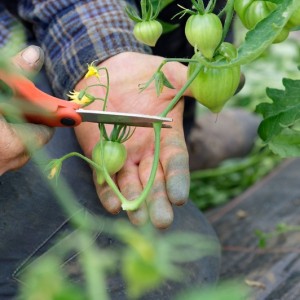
[
  {"x": 55, "y": 167},
  {"x": 92, "y": 71},
  {"x": 53, "y": 172},
  {"x": 81, "y": 98}
]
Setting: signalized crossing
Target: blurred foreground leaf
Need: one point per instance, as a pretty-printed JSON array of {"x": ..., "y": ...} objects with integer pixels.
[{"x": 225, "y": 291}]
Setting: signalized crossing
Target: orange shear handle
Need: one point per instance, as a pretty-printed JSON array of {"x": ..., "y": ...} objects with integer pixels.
[{"x": 52, "y": 111}]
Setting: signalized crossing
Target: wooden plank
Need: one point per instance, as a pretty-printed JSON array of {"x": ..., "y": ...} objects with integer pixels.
[{"x": 276, "y": 199}]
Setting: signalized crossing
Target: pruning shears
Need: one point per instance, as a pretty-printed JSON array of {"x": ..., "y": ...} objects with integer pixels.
[{"x": 39, "y": 107}]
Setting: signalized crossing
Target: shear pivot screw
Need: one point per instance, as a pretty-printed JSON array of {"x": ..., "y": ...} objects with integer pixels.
[{"x": 67, "y": 122}]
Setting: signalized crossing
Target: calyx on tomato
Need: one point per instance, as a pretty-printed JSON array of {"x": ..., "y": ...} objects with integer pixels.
[
  {"x": 204, "y": 32},
  {"x": 214, "y": 87}
]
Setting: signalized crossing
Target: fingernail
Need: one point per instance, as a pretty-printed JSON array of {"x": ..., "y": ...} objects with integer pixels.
[{"x": 32, "y": 55}]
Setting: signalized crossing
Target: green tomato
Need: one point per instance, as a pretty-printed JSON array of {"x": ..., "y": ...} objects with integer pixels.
[
  {"x": 241, "y": 6},
  {"x": 204, "y": 32},
  {"x": 252, "y": 12},
  {"x": 214, "y": 87},
  {"x": 257, "y": 11},
  {"x": 114, "y": 157},
  {"x": 295, "y": 19},
  {"x": 148, "y": 32}
]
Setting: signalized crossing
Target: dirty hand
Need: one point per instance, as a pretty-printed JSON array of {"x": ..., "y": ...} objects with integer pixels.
[
  {"x": 126, "y": 71},
  {"x": 13, "y": 152}
]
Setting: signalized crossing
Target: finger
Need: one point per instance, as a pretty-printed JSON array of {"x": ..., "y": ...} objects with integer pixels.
[
  {"x": 175, "y": 164},
  {"x": 19, "y": 140},
  {"x": 131, "y": 187},
  {"x": 160, "y": 209},
  {"x": 32, "y": 136},
  {"x": 107, "y": 197},
  {"x": 30, "y": 60}
]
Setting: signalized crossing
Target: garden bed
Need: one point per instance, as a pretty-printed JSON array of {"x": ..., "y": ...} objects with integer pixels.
[{"x": 269, "y": 207}]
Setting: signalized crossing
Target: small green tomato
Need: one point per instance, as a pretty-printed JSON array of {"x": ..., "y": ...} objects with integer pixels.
[
  {"x": 148, "y": 32},
  {"x": 114, "y": 157},
  {"x": 204, "y": 32}
]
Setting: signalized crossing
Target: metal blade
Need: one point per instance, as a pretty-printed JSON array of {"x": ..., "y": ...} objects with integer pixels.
[{"x": 107, "y": 117}]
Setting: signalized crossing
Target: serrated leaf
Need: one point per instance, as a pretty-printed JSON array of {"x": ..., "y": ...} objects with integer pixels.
[
  {"x": 286, "y": 144},
  {"x": 283, "y": 112}
]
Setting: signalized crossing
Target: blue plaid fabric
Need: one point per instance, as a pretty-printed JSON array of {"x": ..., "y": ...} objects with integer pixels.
[{"x": 74, "y": 33}]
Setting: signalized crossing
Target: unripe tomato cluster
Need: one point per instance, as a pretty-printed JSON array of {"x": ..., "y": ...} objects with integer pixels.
[{"x": 212, "y": 87}]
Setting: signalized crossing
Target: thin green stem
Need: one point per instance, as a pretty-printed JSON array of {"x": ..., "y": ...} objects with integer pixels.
[
  {"x": 181, "y": 92},
  {"x": 93, "y": 85},
  {"x": 198, "y": 6},
  {"x": 143, "y": 9},
  {"x": 71, "y": 154},
  {"x": 221, "y": 171},
  {"x": 134, "y": 204},
  {"x": 107, "y": 89},
  {"x": 229, "y": 15},
  {"x": 210, "y": 6},
  {"x": 94, "y": 274}
]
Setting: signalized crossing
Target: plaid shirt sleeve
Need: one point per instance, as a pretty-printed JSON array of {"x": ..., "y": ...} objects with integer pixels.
[
  {"x": 7, "y": 22},
  {"x": 74, "y": 33}
]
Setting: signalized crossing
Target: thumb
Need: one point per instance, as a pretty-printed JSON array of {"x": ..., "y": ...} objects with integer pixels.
[{"x": 30, "y": 59}]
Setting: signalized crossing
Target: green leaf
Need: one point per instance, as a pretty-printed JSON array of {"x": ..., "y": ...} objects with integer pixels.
[
  {"x": 168, "y": 27},
  {"x": 225, "y": 291},
  {"x": 283, "y": 112},
  {"x": 262, "y": 238},
  {"x": 132, "y": 14},
  {"x": 163, "y": 3},
  {"x": 140, "y": 275},
  {"x": 276, "y": 1},
  {"x": 5, "y": 90},
  {"x": 286, "y": 144}
]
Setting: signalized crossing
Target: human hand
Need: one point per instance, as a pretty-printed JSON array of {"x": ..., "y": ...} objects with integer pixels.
[
  {"x": 171, "y": 186},
  {"x": 14, "y": 137}
]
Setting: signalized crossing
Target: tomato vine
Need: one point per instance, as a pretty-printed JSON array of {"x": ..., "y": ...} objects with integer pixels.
[{"x": 214, "y": 62}]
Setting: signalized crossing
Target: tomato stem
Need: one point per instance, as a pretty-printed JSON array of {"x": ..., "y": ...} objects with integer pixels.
[
  {"x": 228, "y": 9},
  {"x": 181, "y": 92},
  {"x": 134, "y": 204},
  {"x": 71, "y": 154},
  {"x": 107, "y": 88}
]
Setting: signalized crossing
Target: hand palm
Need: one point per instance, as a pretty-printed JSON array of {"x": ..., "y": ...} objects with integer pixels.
[{"x": 172, "y": 179}]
